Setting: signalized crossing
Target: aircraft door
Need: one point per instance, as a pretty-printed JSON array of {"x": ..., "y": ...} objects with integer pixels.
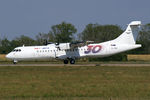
[
  {"x": 59, "y": 53},
  {"x": 53, "y": 53}
]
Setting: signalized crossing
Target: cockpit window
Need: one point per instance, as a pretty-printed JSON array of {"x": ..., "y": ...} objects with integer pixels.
[{"x": 16, "y": 50}]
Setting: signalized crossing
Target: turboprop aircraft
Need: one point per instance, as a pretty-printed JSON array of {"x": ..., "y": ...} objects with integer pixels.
[{"x": 69, "y": 52}]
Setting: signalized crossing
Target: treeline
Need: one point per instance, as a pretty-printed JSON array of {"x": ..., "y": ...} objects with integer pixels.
[{"x": 66, "y": 32}]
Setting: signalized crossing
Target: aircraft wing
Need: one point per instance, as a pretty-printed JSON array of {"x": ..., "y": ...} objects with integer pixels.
[
  {"x": 79, "y": 44},
  {"x": 72, "y": 45}
]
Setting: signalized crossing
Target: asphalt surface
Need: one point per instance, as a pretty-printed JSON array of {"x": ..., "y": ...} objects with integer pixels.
[{"x": 132, "y": 65}]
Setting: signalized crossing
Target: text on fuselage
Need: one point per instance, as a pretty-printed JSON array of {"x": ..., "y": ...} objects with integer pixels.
[{"x": 93, "y": 49}]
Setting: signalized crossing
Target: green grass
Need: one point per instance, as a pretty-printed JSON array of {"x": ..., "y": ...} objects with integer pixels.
[{"x": 75, "y": 83}]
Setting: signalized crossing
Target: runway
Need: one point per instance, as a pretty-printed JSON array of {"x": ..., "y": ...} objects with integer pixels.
[{"x": 115, "y": 65}]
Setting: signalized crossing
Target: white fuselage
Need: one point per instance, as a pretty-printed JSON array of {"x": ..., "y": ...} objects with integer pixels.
[
  {"x": 50, "y": 51},
  {"x": 67, "y": 51}
]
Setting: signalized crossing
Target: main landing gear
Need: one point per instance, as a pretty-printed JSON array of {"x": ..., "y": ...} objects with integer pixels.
[
  {"x": 72, "y": 61},
  {"x": 66, "y": 61}
]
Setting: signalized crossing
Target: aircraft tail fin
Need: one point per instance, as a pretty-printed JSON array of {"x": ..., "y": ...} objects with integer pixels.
[{"x": 129, "y": 36}]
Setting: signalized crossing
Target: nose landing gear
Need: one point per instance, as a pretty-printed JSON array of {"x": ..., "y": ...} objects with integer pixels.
[{"x": 15, "y": 61}]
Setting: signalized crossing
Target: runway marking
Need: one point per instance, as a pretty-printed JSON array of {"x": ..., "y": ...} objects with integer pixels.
[{"x": 88, "y": 65}]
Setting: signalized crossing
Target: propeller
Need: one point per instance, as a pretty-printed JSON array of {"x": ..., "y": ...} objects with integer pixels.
[
  {"x": 45, "y": 42},
  {"x": 57, "y": 44}
]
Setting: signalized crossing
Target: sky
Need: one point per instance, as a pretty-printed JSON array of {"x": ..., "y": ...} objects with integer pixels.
[{"x": 29, "y": 17}]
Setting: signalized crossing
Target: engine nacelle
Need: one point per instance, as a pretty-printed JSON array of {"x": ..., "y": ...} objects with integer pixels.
[{"x": 63, "y": 46}]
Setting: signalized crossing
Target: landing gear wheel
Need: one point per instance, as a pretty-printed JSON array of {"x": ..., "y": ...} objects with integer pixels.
[
  {"x": 72, "y": 61},
  {"x": 15, "y": 62},
  {"x": 65, "y": 61}
]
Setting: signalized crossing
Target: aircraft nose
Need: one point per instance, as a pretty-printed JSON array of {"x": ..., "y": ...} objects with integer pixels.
[{"x": 9, "y": 56}]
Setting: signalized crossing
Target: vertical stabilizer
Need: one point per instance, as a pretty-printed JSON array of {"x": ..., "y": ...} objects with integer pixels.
[{"x": 129, "y": 36}]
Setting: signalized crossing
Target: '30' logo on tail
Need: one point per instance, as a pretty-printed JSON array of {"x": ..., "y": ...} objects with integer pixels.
[{"x": 93, "y": 49}]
